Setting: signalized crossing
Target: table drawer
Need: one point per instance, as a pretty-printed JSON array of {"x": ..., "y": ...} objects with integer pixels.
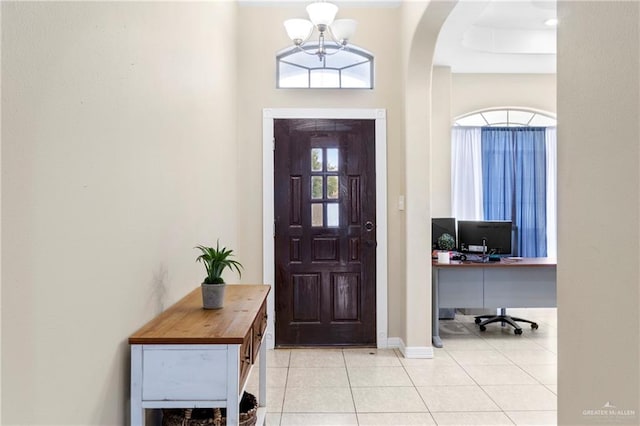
[
  {"x": 245, "y": 357},
  {"x": 520, "y": 288},
  {"x": 460, "y": 288},
  {"x": 259, "y": 327},
  {"x": 184, "y": 374}
]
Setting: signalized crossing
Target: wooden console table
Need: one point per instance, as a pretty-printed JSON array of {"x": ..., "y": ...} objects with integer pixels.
[{"x": 189, "y": 357}]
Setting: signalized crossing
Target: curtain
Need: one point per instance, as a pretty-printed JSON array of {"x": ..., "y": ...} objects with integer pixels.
[
  {"x": 531, "y": 191},
  {"x": 514, "y": 183},
  {"x": 466, "y": 173},
  {"x": 498, "y": 173},
  {"x": 552, "y": 194}
]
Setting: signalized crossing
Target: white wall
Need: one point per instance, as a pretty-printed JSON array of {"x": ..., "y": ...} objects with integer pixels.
[
  {"x": 598, "y": 211},
  {"x": 418, "y": 118},
  {"x": 118, "y": 140},
  {"x": 442, "y": 86},
  {"x": 473, "y": 92}
]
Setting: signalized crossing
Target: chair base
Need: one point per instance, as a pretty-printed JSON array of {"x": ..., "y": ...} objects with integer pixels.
[{"x": 504, "y": 319}]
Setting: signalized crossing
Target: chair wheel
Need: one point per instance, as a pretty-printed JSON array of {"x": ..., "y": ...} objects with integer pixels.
[
  {"x": 517, "y": 330},
  {"x": 534, "y": 326},
  {"x": 483, "y": 328},
  {"x": 478, "y": 320}
]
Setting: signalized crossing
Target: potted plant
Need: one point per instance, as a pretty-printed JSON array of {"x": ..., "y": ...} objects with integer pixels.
[
  {"x": 215, "y": 260},
  {"x": 446, "y": 242}
]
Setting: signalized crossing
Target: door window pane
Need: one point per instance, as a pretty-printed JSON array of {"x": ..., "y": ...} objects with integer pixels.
[
  {"x": 316, "y": 187},
  {"x": 316, "y": 159},
  {"x": 332, "y": 187},
  {"x": 317, "y": 214},
  {"x": 332, "y": 159},
  {"x": 333, "y": 215}
]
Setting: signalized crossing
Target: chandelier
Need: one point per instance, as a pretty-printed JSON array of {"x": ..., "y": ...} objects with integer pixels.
[{"x": 321, "y": 17}]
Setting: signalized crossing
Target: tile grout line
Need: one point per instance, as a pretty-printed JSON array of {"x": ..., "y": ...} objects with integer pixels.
[
  {"x": 353, "y": 399},
  {"x": 286, "y": 385},
  {"x": 520, "y": 365},
  {"x": 404, "y": 367},
  {"x": 514, "y": 363},
  {"x": 478, "y": 384}
]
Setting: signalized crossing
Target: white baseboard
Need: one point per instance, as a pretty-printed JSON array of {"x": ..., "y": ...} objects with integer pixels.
[
  {"x": 410, "y": 351},
  {"x": 394, "y": 343},
  {"x": 389, "y": 343}
]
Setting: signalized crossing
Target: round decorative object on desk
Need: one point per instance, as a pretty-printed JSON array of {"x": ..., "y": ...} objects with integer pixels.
[{"x": 446, "y": 242}]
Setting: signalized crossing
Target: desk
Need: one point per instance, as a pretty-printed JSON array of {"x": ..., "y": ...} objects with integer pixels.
[
  {"x": 189, "y": 357},
  {"x": 527, "y": 283}
]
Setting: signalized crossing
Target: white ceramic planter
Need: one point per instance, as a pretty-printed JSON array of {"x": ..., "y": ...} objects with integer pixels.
[{"x": 213, "y": 295}]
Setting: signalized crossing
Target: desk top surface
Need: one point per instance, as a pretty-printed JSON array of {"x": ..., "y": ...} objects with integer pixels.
[
  {"x": 505, "y": 262},
  {"x": 186, "y": 322}
]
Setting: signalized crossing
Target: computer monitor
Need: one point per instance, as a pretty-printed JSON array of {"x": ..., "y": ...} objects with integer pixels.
[
  {"x": 495, "y": 235},
  {"x": 442, "y": 225}
]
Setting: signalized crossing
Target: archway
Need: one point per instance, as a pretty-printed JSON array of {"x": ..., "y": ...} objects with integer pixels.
[{"x": 420, "y": 39}]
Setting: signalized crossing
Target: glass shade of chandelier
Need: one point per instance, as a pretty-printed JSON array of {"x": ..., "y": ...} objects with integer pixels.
[{"x": 333, "y": 33}]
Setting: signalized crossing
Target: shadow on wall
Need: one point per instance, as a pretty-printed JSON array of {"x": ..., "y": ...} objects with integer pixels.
[{"x": 158, "y": 293}]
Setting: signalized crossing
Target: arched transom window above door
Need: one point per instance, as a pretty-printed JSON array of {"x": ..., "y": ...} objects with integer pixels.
[
  {"x": 349, "y": 68},
  {"x": 506, "y": 117}
]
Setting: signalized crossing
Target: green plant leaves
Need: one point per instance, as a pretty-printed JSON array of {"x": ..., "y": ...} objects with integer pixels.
[{"x": 215, "y": 261}]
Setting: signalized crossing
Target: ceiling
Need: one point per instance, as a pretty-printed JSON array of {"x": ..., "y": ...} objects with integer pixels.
[
  {"x": 483, "y": 36},
  {"x": 498, "y": 36}
]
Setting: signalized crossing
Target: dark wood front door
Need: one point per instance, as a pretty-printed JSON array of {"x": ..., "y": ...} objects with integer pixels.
[{"x": 325, "y": 233}]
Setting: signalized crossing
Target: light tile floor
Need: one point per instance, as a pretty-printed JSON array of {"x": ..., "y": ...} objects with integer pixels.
[{"x": 478, "y": 378}]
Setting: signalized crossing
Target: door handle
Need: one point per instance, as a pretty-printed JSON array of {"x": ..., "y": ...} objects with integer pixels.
[{"x": 368, "y": 226}]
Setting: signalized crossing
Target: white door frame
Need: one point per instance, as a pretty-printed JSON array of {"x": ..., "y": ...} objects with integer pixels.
[{"x": 268, "y": 250}]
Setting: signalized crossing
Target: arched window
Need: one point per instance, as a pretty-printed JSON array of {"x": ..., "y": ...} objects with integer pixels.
[
  {"x": 503, "y": 165},
  {"x": 506, "y": 117},
  {"x": 349, "y": 68}
]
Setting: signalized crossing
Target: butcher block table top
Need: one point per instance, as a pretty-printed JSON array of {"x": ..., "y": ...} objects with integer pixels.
[{"x": 186, "y": 322}]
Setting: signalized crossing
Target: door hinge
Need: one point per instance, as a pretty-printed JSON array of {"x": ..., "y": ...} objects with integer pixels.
[
  {"x": 273, "y": 144},
  {"x": 274, "y": 229}
]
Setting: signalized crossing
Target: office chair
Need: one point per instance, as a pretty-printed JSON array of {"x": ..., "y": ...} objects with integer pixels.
[{"x": 504, "y": 319}]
